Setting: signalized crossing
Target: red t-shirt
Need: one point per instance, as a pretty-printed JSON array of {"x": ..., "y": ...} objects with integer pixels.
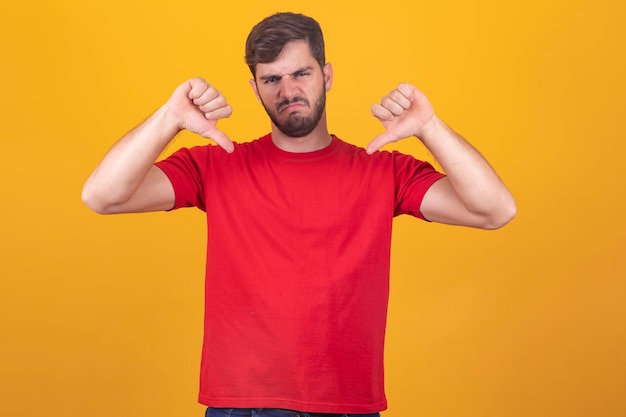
[{"x": 297, "y": 273}]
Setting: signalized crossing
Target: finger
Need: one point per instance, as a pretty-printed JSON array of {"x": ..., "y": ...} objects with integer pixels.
[
  {"x": 206, "y": 96},
  {"x": 381, "y": 113},
  {"x": 219, "y": 113},
  {"x": 221, "y": 139},
  {"x": 406, "y": 89},
  {"x": 379, "y": 141},
  {"x": 214, "y": 104},
  {"x": 401, "y": 98},
  {"x": 197, "y": 87},
  {"x": 392, "y": 105},
  {"x": 416, "y": 96}
]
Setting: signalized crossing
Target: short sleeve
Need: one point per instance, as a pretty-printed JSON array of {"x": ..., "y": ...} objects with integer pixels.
[
  {"x": 412, "y": 179},
  {"x": 186, "y": 169}
]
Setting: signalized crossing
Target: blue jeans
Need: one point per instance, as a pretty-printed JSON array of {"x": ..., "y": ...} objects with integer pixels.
[{"x": 272, "y": 412}]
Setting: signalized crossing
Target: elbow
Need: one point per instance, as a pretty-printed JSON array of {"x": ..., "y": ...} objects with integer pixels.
[
  {"x": 501, "y": 217},
  {"x": 94, "y": 201}
]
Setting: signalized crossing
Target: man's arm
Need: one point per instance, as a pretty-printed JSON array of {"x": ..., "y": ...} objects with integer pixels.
[
  {"x": 126, "y": 181},
  {"x": 472, "y": 193}
]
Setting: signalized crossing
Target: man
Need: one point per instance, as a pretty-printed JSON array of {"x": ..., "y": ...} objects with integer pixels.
[{"x": 299, "y": 224}]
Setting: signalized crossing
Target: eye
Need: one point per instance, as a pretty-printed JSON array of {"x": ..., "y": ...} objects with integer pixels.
[
  {"x": 302, "y": 74},
  {"x": 271, "y": 80}
]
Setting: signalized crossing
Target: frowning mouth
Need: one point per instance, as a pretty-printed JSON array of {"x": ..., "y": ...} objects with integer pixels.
[{"x": 293, "y": 103}]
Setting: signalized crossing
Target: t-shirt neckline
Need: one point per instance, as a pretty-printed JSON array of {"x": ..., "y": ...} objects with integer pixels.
[{"x": 300, "y": 156}]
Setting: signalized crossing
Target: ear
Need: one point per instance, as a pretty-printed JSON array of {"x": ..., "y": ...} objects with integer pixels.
[
  {"x": 328, "y": 76},
  {"x": 255, "y": 89}
]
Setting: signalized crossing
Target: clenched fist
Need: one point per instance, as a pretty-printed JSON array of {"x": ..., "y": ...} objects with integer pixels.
[{"x": 197, "y": 106}]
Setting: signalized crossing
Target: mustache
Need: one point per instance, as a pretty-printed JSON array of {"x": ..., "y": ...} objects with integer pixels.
[{"x": 287, "y": 102}]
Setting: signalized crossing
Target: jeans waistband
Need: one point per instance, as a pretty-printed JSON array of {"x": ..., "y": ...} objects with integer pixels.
[{"x": 273, "y": 412}]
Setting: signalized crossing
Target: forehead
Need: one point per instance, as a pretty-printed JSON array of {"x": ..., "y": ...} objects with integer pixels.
[{"x": 295, "y": 55}]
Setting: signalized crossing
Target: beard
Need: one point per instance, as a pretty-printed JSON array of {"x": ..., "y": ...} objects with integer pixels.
[{"x": 298, "y": 125}]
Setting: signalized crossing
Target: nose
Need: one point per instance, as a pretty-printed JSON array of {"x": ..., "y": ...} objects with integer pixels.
[{"x": 289, "y": 87}]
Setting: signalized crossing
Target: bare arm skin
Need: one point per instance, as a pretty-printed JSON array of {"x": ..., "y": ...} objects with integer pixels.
[
  {"x": 126, "y": 180},
  {"x": 472, "y": 194}
]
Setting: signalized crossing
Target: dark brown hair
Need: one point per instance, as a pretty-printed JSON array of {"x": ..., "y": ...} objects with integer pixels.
[{"x": 268, "y": 38}]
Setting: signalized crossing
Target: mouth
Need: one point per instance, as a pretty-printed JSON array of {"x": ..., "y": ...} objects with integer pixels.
[{"x": 293, "y": 104}]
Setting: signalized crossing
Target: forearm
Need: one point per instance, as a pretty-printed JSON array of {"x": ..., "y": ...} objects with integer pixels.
[
  {"x": 474, "y": 181},
  {"x": 118, "y": 176}
]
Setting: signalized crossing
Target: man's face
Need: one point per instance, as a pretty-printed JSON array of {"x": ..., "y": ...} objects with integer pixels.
[{"x": 293, "y": 89}]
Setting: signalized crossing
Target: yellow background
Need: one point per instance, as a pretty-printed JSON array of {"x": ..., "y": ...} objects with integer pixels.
[{"x": 101, "y": 316}]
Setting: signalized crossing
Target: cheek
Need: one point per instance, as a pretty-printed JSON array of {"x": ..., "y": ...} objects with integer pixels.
[{"x": 266, "y": 96}]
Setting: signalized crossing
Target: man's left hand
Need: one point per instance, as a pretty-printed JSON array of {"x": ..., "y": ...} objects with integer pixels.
[{"x": 404, "y": 112}]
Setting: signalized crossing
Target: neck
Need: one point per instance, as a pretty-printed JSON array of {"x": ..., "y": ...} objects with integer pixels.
[{"x": 318, "y": 139}]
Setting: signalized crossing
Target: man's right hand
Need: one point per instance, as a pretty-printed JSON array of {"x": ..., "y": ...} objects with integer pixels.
[
  {"x": 126, "y": 180},
  {"x": 197, "y": 106}
]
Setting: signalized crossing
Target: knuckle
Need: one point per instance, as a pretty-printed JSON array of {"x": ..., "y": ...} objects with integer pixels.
[{"x": 397, "y": 94}]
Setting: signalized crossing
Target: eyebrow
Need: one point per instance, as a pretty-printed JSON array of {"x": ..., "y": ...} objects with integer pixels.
[{"x": 299, "y": 70}]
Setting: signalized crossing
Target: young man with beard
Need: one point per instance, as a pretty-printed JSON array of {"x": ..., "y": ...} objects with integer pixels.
[{"x": 299, "y": 224}]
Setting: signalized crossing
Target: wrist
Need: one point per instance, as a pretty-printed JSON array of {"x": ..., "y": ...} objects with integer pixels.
[
  {"x": 431, "y": 129},
  {"x": 167, "y": 120}
]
